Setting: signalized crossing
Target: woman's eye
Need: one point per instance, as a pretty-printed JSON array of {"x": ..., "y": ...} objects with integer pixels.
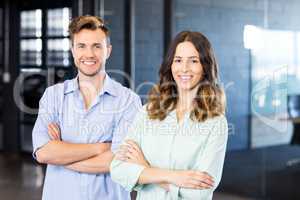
[
  {"x": 194, "y": 61},
  {"x": 177, "y": 61}
]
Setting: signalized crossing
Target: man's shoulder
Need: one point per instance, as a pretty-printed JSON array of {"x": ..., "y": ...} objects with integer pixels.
[
  {"x": 59, "y": 88},
  {"x": 124, "y": 92}
]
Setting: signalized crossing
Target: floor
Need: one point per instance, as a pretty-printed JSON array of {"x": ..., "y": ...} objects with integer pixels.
[
  {"x": 271, "y": 173},
  {"x": 21, "y": 178}
]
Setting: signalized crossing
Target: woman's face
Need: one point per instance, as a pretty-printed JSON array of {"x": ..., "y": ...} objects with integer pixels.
[{"x": 186, "y": 68}]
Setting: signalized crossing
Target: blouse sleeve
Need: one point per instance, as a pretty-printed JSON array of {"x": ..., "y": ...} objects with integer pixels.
[
  {"x": 124, "y": 173},
  {"x": 211, "y": 160}
]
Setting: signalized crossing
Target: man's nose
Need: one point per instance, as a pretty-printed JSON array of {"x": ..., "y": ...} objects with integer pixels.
[{"x": 90, "y": 51}]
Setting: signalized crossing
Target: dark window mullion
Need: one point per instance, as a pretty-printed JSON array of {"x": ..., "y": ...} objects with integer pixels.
[{"x": 44, "y": 38}]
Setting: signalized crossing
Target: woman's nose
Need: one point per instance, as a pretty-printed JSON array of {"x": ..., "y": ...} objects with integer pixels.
[{"x": 185, "y": 66}]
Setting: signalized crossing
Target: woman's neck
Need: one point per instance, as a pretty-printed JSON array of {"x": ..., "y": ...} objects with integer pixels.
[{"x": 186, "y": 99}]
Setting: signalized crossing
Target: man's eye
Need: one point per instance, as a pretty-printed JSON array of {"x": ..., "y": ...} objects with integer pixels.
[{"x": 98, "y": 46}]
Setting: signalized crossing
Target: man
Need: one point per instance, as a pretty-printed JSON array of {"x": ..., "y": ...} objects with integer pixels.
[{"x": 82, "y": 121}]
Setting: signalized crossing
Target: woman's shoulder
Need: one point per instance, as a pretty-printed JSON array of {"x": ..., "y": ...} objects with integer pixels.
[
  {"x": 220, "y": 119},
  {"x": 142, "y": 113}
]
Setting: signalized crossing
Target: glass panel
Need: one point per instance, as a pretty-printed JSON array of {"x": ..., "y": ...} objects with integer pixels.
[
  {"x": 33, "y": 86},
  {"x": 31, "y": 52},
  {"x": 58, "y": 52},
  {"x": 31, "y": 23},
  {"x": 113, "y": 13},
  {"x": 58, "y": 21},
  {"x": 275, "y": 71}
]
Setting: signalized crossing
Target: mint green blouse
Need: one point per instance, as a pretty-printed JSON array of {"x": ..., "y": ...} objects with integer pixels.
[{"x": 167, "y": 144}]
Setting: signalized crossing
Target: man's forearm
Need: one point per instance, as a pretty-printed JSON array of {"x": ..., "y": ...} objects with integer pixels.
[
  {"x": 62, "y": 153},
  {"x": 94, "y": 165}
]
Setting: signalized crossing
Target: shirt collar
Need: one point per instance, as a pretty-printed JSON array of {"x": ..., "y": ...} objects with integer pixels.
[{"x": 108, "y": 86}]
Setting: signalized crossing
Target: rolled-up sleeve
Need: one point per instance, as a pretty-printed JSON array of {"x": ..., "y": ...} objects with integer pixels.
[
  {"x": 211, "y": 161},
  {"x": 127, "y": 174},
  {"x": 46, "y": 115}
]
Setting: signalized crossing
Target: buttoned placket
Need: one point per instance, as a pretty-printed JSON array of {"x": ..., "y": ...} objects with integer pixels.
[
  {"x": 82, "y": 134},
  {"x": 179, "y": 126},
  {"x": 84, "y": 128}
]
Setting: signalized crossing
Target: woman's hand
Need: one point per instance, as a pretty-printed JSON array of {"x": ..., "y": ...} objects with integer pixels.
[
  {"x": 191, "y": 179},
  {"x": 131, "y": 152},
  {"x": 54, "y": 131}
]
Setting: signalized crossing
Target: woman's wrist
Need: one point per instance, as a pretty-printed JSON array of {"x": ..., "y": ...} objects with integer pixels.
[{"x": 169, "y": 176}]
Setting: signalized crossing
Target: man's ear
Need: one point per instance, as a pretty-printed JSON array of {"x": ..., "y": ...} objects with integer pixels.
[{"x": 109, "y": 49}]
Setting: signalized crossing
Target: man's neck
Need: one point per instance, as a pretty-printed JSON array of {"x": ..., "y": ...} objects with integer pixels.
[
  {"x": 90, "y": 87},
  {"x": 94, "y": 83}
]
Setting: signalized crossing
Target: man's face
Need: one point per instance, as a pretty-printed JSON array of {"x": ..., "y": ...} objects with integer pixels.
[{"x": 90, "y": 51}]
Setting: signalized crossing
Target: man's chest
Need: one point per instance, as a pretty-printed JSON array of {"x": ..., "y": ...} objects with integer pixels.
[{"x": 79, "y": 125}]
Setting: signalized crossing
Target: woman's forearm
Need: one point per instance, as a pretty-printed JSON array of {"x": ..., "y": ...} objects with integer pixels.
[{"x": 155, "y": 176}]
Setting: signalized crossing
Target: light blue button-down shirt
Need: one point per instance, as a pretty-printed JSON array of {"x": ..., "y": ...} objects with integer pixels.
[{"x": 107, "y": 119}]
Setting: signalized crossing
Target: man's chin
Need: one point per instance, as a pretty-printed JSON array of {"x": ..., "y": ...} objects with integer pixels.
[{"x": 90, "y": 74}]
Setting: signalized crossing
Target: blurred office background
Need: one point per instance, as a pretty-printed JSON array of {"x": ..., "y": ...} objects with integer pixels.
[{"x": 257, "y": 44}]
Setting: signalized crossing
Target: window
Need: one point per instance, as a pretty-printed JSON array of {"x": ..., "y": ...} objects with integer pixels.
[
  {"x": 42, "y": 34},
  {"x": 44, "y": 59}
]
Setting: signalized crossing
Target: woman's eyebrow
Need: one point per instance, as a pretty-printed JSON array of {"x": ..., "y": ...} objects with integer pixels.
[{"x": 193, "y": 57}]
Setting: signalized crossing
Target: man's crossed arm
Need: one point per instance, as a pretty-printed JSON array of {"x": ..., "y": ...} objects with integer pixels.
[{"x": 86, "y": 158}]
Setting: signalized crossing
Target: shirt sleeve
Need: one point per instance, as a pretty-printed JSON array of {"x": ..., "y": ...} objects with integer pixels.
[
  {"x": 125, "y": 120},
  {"x": 127, "y": 174},
  {"x": 46, "y": 115},
  {"x": 211, "y": 160}
]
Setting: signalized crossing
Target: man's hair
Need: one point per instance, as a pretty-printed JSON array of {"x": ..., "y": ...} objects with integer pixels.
[{"x": 88, "y": 22}]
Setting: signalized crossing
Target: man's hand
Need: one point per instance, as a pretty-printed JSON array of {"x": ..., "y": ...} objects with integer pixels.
[
  {"x": 54, "y": 131},
  {"x": 131, "y": 152}
]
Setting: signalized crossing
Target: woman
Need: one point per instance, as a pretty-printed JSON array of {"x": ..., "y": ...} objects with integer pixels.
[{"x": 176, "y": 146}]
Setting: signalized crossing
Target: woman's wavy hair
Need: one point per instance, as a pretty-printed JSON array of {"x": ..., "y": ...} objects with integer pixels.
[{"x": 210, "y": 99}]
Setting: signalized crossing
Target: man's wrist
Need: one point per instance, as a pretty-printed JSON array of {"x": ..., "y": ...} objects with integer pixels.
[
  {"x": 98, "y": 149},
  {"x": 102, "y": 147}
]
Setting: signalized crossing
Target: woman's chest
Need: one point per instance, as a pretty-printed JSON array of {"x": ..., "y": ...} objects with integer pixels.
[{"x": 172, "y": 146}]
